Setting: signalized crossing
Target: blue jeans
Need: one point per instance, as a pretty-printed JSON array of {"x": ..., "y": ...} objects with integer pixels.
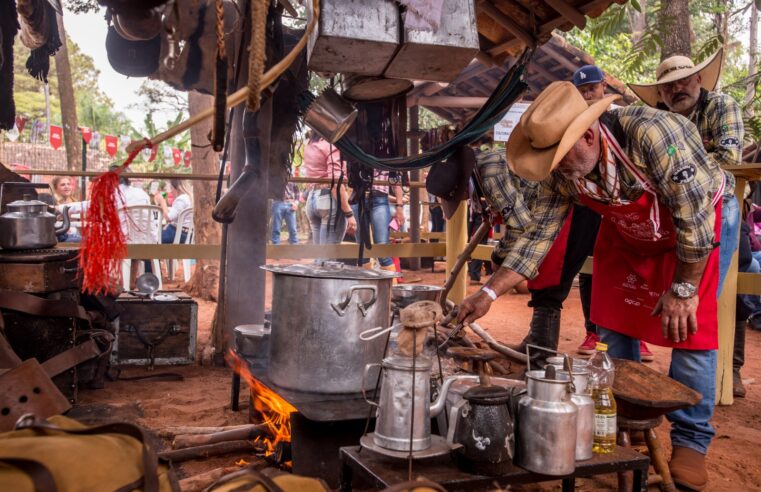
[
  {"x": 690, "y": 427},
  {"x": 328, "y": 225},
  {"x": 283, "y": 210},
  {"x": 380, "y": 217},
  {"x": 730, "y": 230},
  {"x": 167, "y": 235}
]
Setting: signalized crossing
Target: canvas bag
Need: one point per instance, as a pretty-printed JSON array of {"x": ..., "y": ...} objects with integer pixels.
[{"x": 61, "y": 454}]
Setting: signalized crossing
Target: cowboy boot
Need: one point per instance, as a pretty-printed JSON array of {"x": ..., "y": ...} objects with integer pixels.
[
  {"x": 688, "y": 468},
  {"x": 738, "y": 359},
  {"x": 543, "y": 332}
]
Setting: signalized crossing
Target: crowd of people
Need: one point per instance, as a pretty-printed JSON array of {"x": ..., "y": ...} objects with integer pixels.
[{"x": 175, "y": 197}]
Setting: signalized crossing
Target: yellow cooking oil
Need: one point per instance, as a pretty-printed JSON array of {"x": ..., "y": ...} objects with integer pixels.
[{"x": 605, "y": 420}]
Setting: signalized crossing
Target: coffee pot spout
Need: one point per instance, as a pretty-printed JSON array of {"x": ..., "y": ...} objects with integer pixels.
[{"x": 438, "y": 406}]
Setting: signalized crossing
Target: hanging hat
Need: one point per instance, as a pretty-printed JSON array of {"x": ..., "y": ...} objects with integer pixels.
[
  {"x": 550, "y": 127},
  {"x": 449, "y": 180},
  {"x": 676, "y": 68}
]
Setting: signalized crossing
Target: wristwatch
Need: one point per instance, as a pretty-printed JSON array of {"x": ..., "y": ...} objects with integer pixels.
[{"x": 683, "y": 290}]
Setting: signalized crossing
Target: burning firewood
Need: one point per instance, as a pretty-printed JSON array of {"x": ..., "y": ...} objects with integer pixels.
[
  {"x": 209, "y": 450},
  {"x": 240, "y": 433}
]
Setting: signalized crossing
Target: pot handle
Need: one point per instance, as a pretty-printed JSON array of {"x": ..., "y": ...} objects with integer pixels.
[
  {"x": 375, "y": 332},
  {"x": 364, "y": 380},
  {"x": 454, "y": 418},
  {"x": 340, "y": 307}
]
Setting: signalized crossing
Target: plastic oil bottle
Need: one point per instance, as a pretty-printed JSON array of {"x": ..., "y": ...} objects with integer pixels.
[{"x": 601, "y": 380}]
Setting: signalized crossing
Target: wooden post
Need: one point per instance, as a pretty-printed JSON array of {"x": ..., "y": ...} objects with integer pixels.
[
  {"x": 726, "y": 315},
  {"x": 457, "y": 239},
  {"x": 414, "y": 148}
]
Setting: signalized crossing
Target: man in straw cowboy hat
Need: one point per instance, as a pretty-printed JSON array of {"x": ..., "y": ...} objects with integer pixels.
[
  {"x": 688, "y": 89},
  {"x": 647, "y": 174}
]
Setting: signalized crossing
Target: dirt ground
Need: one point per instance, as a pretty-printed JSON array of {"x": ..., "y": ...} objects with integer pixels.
[{"x": 203, "y": 398}]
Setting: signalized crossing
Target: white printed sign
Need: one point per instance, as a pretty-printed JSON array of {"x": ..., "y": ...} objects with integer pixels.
[{"x": 504, "y": 128}]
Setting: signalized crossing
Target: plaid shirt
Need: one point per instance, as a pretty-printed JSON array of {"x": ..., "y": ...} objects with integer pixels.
[
  {"x": 720, "y": 122},
  {"x": 508, "y": 194},
  {"x": 661, "y": 144}
]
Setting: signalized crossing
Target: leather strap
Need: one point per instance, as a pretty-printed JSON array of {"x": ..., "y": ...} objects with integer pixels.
[
  {"x": 8, "y": 357},
  {"x": 30, "y": 304},
  {"x": 39, "y": 474},
  {"x": 70, "y": 358},
  {"x": 149, "y": 458}
]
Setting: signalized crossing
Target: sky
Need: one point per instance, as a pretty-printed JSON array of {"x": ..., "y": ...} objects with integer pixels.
[{"x": 89, "y": 32}]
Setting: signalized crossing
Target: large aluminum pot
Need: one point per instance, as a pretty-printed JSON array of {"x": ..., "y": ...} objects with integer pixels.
[{"x": 318, "y": 313}]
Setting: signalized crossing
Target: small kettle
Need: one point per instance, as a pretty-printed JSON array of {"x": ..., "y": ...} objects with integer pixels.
[
  {"x": 482, "y": 423},
  {"x": 29, "y": 225}
]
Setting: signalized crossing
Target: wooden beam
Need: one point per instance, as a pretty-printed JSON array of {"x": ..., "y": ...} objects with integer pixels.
[
  {"x": 500, "y": 18},
  {"x": 452, "y": 102},
  {"x": 569, "y": 12},
  {"x": 545, "y": 29},
  {"x": 551, "y": 77},
  {"x": 486, "y": 59},
  {"x": 550, "y": 51}
]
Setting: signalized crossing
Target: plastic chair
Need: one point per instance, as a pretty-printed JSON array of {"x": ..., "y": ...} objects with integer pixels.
[
  {"x": 141, "y": 225},
  {"x": 171, "y": 265}
]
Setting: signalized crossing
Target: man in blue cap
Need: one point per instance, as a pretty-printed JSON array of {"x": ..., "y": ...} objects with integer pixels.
[{"x": 590, "y": 81}]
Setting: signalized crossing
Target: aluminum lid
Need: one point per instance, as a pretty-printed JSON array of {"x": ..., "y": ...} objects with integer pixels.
[{"x": 330, "y": 269}]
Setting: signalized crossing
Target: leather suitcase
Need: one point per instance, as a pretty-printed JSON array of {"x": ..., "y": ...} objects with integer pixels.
[{"x": 155, "y": 332}]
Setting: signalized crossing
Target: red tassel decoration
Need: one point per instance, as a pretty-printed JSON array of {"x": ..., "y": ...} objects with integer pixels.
[{"x": 103, "y": 244}]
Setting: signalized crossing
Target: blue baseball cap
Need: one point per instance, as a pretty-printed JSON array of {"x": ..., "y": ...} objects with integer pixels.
[{"x": 588, "y": 74}]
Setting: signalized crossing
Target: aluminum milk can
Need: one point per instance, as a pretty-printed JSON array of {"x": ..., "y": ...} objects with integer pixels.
[
  {"x": 547, "y": 424},
  {"x": 585, "y": 420}
]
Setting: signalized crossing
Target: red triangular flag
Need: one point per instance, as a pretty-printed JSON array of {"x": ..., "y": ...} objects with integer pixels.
[
  {"x": 86, "y": 134},
  {"x": 176, "y": 156},
  {"x": 187, "y": 158},
  {"x": 112, "y": 145},
  {"x": 20, "y": 123},
  {"x": 56, "y": 136}
]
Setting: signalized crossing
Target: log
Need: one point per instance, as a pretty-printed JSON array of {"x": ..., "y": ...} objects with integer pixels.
[
  {"x": 199, "y": 482},
  {"x": 170, "y": 432},
  {"x": 496, "y": 346},
  {"x": 179, "y": 455},
  {"x": 241, "y": 433}
]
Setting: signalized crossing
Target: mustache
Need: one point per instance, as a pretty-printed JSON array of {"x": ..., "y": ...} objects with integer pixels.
[{"x": 680, "y": 95}]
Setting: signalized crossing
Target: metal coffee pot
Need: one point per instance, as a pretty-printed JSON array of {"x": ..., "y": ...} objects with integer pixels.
[
  {"x": 547, "y": 424},
  {"x": 482, "y": 423},
  {"x": 405, "y": 402},
  {"x": 28, "y": 225},
  {"x": 585, "y": 420}
]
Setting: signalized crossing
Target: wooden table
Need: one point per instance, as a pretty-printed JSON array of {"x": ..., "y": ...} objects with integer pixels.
[{"x": 378, "y": 471}]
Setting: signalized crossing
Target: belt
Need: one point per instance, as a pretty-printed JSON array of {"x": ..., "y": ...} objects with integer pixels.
[
  {"x": 378, "y": 194},
  {"x": 185, "y": 229},
  {"x": 325, "y": 191}
]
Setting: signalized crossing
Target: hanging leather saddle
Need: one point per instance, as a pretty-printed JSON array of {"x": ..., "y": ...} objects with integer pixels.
[{"x": 132, "y": 58}]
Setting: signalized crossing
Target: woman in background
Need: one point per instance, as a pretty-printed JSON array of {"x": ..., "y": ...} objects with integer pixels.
[
  {"x": 183, "y": 199},
  {"x": 330, "y": 215},
  {"x": 63, "y": 190}
]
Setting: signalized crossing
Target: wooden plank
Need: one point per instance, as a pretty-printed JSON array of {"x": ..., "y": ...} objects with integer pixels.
[
  {"x": 136, "y": 175},
  {"x": 500, "y": 18},
  {"x": 457, "y": 240},
  {"x": 726, "y": 314},
  {"x": 288, "y": 251},
  {"x": 569, "y": 12},
  {"x": 749, "y": 283},
  {"x": 451, "y": 102}
]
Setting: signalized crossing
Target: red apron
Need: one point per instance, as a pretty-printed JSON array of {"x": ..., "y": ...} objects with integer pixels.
[
  {"x": 551, "y": 269},
  {"x": 634, "y": 264}
]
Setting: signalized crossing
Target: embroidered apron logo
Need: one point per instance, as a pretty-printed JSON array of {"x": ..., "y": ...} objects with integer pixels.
[
  {"x": 729, "y": 142},
  {"x": 684, "y": 175}
]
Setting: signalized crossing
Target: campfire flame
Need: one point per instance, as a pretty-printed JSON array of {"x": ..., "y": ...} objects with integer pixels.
[{"x": 275, "y": 411}]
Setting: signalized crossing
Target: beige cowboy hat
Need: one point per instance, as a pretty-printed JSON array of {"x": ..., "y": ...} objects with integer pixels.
[
  {"x": 676, "y": 68},
  {"x": 550, "y": 127}
]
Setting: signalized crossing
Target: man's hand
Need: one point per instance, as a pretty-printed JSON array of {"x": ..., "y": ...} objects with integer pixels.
[
  {"x": 473, "y": 307},
  {"x": 678, "y": 316},
  {"x": 351, "y": 225}
]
